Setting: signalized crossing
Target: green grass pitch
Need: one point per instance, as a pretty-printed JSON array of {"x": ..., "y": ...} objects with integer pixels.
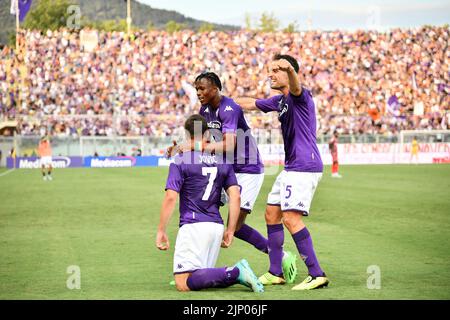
[{"x": 396, "y": 217}]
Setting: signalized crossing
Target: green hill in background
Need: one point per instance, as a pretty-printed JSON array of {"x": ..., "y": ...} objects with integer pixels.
[{"x": 101, "y": 10}]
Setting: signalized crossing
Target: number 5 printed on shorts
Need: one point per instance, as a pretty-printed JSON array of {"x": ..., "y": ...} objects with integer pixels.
[{"x": 288, "y": 189}]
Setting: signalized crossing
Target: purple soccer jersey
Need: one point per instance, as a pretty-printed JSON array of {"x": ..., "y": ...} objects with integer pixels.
[
  {"x": 229, "y": 118},
  {"x": 199, "y": 180},
  {"x": 298, "y": 125}
]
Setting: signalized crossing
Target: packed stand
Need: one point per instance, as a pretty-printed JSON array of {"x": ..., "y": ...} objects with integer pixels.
[{"x": 363, "y": 82}]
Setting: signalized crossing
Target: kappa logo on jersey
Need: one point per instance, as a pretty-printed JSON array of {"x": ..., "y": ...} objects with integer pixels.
[
  {"x": 300, "y": 204},
  {"x": 247, "y": 204},
  {"x": 286, "y": 204},
  {"x": 179, "y": 266},
  {"x": 214, "y": 125},
  {"x": 228, "y": 108}
]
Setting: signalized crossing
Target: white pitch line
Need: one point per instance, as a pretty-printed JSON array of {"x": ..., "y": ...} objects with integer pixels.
[{"x": 6, "y": 172}]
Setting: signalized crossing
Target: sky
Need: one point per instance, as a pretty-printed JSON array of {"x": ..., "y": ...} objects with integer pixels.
[{"x": 324, "y": 15}]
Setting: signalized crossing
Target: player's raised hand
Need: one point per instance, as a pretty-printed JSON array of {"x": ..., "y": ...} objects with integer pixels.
[
  {"x": 228, "y": 237},
  {"x": 162, "y": 241},
  {"x": 172, "y": 150},
  {"x": 283, "y": 65}
]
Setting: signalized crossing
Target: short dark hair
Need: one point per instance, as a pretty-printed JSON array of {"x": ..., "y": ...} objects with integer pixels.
[
  {"x": 212, "y": 77},
  {"x": 190, "y": 125},
  {"x": 290, "y": 59}
]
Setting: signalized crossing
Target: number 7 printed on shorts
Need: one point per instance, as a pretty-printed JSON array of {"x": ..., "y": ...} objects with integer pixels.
[{"x": 212, "y": 171}]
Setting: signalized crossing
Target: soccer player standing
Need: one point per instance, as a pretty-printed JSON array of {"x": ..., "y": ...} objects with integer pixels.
[
  {"x": 291, "y": 195},
  {"x": 233, "y": 139},
  {"x": 414, "y": 150},
  {"x": 199, "y": 179},
  {"x": 332, "y": 146},
  {"x": 45, "y": 153}
]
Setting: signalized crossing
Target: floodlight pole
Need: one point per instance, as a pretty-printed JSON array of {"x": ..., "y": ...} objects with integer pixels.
[
  {"x": 128, "y": 16},
  {"x": 16, "y": 55},
  {"x": 16, "y": 4}
]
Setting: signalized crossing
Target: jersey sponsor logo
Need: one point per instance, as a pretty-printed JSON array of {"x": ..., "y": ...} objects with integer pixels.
[
  {"x": 228, "y": 108},
  {"x": 209, "y": 159},
  {"x": 282, "y": 107},
  {"x": 214, "y": 124}
]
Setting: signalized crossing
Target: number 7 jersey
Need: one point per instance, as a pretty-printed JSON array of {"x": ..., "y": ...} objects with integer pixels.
[{"x": 199, "y": 179}]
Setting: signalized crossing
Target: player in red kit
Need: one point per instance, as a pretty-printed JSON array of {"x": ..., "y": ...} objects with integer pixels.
[{"x": 332, "y": 145}]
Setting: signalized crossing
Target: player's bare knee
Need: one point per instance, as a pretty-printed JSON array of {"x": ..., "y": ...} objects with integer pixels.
[
  {"x": 293, "y": 221},
  {"x": 272, "y": 216}
]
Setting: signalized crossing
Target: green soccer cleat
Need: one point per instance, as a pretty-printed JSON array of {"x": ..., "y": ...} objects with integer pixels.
[
  {"x": 311, "y": 283},
  {"x": 172, "y": 283},
  {"x": 247, "y": 277},
  {"x": 270, "y": 279},
  {"x": 289, "y": 266}
]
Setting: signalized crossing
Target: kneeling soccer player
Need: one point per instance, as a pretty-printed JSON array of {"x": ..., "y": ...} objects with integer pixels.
[{"x": 198, "y": 178}]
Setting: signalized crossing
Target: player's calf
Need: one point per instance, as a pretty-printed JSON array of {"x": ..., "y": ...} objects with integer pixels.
[
  {"x": 249, "y": 234},
  {"x": 241, "y": 220}
]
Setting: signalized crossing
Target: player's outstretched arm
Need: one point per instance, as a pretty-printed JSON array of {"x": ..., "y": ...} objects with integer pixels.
[
  {"x": 234, "y": 203},
  {"x": 246, "y": 103},
  {"x": 170, "y": 199}
]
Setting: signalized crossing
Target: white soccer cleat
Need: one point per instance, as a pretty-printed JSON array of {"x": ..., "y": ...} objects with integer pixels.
[
  {"x": 336, "y": 175},
  {"x": 50, "y": 178}
]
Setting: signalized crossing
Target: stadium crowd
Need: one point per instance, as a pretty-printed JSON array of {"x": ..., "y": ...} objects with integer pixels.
[{"x": 362, "y": 81}]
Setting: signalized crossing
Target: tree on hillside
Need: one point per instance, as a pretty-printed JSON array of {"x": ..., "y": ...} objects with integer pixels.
[
  {"x": 291, "y": 27},
  {"x": 108, "y": 25},
  {"x": 150, "y": 26},
  {"x": 268, "y": 22},
  {"x": 49, "y": 14},
  {"x": 248, "y": 21},
  {"x": 206, "y": 27},
  {"x": 173, "y": 26}
]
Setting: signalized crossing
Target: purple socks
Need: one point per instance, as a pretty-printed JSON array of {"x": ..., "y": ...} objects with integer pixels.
[
  {"x": 252, "y": 236},
  {"x": 213, "y": 278},
  {"x": 305, "y": 247},
  {"x": 275, "y": 242}
]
